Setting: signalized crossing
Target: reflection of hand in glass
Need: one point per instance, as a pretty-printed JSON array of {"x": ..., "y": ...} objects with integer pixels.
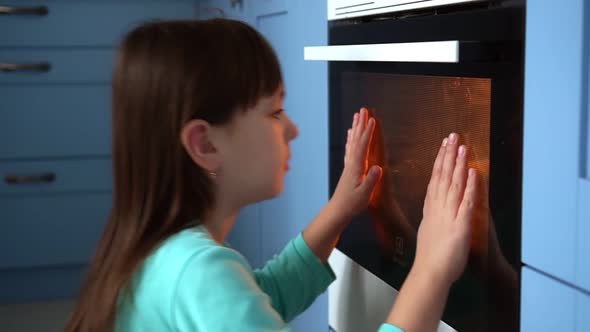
[
  {"x": 486, "y": 255},
  {"x": 391, "y": 224},
  {"x": 490, "y": 265}
]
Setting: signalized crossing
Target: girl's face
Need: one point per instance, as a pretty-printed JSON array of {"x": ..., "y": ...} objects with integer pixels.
[{"x": 256, "y": 150}]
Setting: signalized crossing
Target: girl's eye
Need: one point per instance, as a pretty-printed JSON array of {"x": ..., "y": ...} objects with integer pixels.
[{"x": 277, "y": 113}]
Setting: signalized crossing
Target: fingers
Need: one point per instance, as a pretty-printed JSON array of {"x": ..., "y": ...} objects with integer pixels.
[
  {"x": 371, "y": 180},
  {"x": 365, "y": 140},
  {"x": 465, "y": 213},
  {"x": 359, "y": 138},
  {"x": 448, "y": 166},
  {"x": 350, "y": 137},
  {"x": 355, "y": 125},
  {"x": 457, "y": 188},
  {"x": 437, "y": 168},
  {"x": 347, "y": 147},
  {"x": 361, "y": 123}
]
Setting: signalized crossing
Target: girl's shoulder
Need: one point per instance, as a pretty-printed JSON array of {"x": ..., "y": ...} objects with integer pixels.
[
  {"x": 179, "y": 249},
  {"x": 182, "y": 259}
]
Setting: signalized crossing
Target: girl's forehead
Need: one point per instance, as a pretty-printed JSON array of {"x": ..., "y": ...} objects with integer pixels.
[{"x": 278, "y": 96}]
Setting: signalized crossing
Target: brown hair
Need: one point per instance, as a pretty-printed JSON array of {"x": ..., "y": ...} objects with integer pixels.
[{"x": 166, "y": 74}]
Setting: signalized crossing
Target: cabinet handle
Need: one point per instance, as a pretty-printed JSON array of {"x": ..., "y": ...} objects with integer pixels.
[
  {"x": 12, "y": 67},
  {"x": 235, "y": 3},
  {"x": 24, "y": 179},
  {"x": 33, "y": 10}
]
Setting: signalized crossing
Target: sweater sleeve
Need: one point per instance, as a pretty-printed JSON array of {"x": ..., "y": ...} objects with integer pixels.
[
  {"x": 216, "y": 291},
  {"x": 294, "y": 278},
  {"x": 389, "y": 328}
]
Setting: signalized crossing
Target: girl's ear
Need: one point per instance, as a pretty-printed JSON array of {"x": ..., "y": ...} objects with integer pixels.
[{"x": 196, "y": 137}]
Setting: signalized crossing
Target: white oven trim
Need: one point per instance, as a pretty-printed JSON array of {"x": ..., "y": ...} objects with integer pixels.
[
  {"x": 357, "y": 290},
  {"x": 439, "y": 51}
]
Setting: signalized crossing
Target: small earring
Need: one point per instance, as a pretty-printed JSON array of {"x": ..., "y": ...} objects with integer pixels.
[{"x": 213, "y": 174}]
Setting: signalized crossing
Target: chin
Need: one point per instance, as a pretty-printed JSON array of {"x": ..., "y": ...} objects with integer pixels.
[
  {"x": 278, "y": 189},
  {"x": 274, "y": 188}
]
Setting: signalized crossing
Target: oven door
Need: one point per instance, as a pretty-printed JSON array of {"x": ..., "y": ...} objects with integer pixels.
[{"x": 423, "y": 78}]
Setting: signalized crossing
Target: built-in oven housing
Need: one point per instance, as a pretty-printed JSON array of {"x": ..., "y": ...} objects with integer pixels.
[{"x": 424, "y": 74}]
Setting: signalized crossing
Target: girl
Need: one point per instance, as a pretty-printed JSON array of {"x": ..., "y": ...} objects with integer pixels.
[{"x": 199, "y": 132}]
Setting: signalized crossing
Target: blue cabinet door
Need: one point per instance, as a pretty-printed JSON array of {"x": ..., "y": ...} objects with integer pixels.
[
  {"x": 69, "y": 65},
  {"x": 54, "y": 121},
  {"x": 583, "y": 234},
  {"x": 555, "y": 178},
  {"x": 51, "y": 230},
  {"x": 547, "y": 305},
  {"x": 238, "y": 10},
  {"x": 84, "y": 23},
  {"x": 55, "y": 177},
  {"x": 583, "y": 221},
  {"x": 582, "y": 312},
  {"x": 58, "y": 121}
]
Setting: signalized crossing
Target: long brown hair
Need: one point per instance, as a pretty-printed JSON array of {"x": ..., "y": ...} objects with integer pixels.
[{"x": 166, "y": 74}]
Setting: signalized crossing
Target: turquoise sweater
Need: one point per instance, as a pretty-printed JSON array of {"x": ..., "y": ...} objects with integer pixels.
[{"x": 191, "y": 283}]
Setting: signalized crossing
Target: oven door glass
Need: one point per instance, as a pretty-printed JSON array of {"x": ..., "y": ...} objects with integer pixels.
[{"x": 414, "y": 112}]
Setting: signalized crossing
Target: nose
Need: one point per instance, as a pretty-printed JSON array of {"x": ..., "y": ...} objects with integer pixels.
[{"x": 292, "y": 130}]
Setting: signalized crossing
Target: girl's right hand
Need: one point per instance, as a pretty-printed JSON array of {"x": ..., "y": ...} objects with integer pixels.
[
  {"x": 443, "y": 241},
  {"x": 445, "y": 231}
]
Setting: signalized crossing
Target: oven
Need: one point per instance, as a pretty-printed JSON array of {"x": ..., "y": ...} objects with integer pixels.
[{"x": 426, "y": 69}]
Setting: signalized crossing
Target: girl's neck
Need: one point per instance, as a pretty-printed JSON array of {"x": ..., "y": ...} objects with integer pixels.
[{"x": 219, "y": 223}]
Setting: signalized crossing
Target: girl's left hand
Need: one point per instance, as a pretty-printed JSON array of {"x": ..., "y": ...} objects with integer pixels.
[{"x": 356, "y": 184}]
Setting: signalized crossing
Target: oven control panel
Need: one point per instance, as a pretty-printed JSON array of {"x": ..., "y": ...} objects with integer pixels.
[{"x": 341, "y": 9}]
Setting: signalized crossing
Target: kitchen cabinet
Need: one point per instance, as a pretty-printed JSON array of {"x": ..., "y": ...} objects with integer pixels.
[
  {"x": 549, "y": 305},
  {"x": 55, "y": 136},
  {"x": 556, "y": 174}
]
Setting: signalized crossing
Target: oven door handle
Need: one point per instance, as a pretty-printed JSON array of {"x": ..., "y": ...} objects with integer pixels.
[{"x": 437, "y": 51}]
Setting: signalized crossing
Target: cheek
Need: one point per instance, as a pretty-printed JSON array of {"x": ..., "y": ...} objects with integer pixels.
[{"x": 262, "y": 153}]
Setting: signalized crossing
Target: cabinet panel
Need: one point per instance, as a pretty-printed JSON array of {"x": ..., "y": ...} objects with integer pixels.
[
  {"x": 583, "y": 236},
  {"x": 582, "y": 312},
  {"x": 225, "y": 8},
  {"x": 51, "y": 177},
  {"x": 40, "y": 284},
  {"x": 91, "y": 23},
  {"x": 54, "y": 121},
  {"x": 269, "y": 7},
  {"x": 546, "y": 305},
  {"x": 67, "y": 65},
  {"x": 552, "y": 136},
  {"x": 45, "y": 230}
]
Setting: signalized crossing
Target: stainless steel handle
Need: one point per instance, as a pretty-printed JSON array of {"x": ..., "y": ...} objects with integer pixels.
[
  {"x": 34, "y": 178},
  {"x": 11, "y": 67},
  {"x": 32, "y": 10}
]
